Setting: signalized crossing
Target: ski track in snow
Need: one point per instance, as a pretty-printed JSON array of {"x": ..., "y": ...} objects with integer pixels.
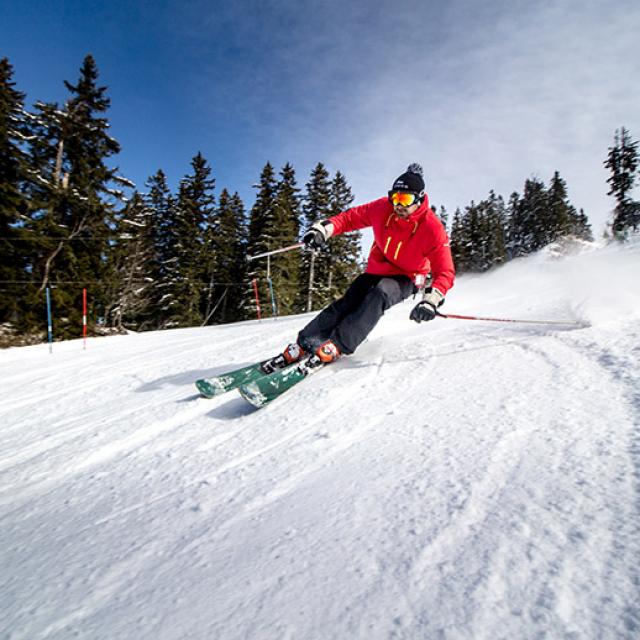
[{"x": 450, "y": 480}]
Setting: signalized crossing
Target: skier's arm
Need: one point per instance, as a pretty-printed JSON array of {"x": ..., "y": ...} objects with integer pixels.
[
  {"x": 443, "y": 273},
  {"x": 442, "y": 267},
  {"x": 349, "y": 220},
  {"x": 355, "y": 218}
]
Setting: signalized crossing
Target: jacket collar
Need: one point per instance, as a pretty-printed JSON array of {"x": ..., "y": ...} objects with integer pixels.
[{"x": 416, "y": 217}]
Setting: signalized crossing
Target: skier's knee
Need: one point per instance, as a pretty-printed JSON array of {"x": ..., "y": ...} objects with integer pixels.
[{"x": 388, "y": 291}]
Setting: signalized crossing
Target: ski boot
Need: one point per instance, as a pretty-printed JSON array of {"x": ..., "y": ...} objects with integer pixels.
[
  {"x": 326, "y": 353},
  {"x": 292, "y": 354}
]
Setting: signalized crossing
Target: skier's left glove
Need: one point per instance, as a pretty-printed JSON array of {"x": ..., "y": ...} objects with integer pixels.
[
  {"x": 317, "y": 235},
  {"x": 425, "y": 310}
]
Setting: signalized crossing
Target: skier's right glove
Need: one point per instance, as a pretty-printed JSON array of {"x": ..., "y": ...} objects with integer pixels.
[
  {"x": 426, "y": 309},
  {"x": 317, "y": 235}
]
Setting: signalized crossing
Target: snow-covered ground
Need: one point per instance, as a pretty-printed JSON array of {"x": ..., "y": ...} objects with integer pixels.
[{"x": 454, "y": 479}]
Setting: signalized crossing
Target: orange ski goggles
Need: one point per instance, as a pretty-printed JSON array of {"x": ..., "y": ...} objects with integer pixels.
[{"x": 402, "y": 198}]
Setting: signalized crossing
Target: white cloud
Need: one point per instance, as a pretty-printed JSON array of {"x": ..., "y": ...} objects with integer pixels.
[
  {"x": 482, "y": 94},
  {"x": 528, "y": 92}
]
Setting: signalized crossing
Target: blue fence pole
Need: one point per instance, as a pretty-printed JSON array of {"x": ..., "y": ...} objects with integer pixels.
[
  {"x": 274, "y": 307},
  {"x": 49, "y": 322}
]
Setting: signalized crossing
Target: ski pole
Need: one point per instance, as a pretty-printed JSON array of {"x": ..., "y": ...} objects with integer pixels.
[
  {"x": 255, "y": 291},
  {"x": 297, "y": 245},
  {"x": 49, "y": 321},
  {"x": 84, "y": 318},
  {"x": 559, "y": 322}
]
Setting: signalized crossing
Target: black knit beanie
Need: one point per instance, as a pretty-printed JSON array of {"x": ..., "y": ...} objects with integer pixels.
[{"x": 411, "y": 180}]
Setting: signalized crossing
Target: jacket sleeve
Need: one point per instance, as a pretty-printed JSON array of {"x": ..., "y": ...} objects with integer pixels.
[
  {"x": 442, "y": 268},
  {"x": 355, "y": 218}
]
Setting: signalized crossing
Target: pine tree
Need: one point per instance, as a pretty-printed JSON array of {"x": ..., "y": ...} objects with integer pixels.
[
  {"x": 129, "y": 284},
  {"x": 515, "y": 241},
  {"x": 262, "y": 238},
  {"x": 458, "y": 241},
  {"x": 164, "y": 264},
  {"x": 13, "y": 203},
  {"x": 474, "y": 234},
  {"x": 192, "y": 288},
  {"x": 534, "y": 199},
  {"x": 240, "y": 276},
  {"x": 495, "y": 225},
  {"x": 231, "y": 258},
  {"x": 528, "y": 222},
  {"x": 75, "y": 195},
  {"x": 622, "y": 161},
  {"x": 465, "y": 235},
  {"x": 444, "y": 217},
  {"x": 314, "y": 292},
  {"x": 285, "y": 266},
  {"x": 562, "y": 219},
  {"x": 344, "y": 250},
  {"x": 580, "y": 227},
  {"x": 559, "y": 213},
  {"x": 478, "y": 237}
]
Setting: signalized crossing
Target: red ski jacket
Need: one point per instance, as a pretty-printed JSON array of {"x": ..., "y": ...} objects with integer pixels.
[{"x": 413, "y": 247}]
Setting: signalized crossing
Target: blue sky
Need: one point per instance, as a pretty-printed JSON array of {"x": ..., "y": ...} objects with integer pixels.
[{"x": 482, "y": 94}]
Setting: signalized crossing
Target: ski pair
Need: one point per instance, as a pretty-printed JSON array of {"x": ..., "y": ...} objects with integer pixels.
[{"x": 263, "y": 381}]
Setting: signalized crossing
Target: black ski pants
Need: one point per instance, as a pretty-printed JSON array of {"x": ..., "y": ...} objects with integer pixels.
[{"x": 349, "y": 320}]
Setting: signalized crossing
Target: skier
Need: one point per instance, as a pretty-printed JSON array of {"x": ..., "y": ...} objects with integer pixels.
[{"x": 409, "y": 243}]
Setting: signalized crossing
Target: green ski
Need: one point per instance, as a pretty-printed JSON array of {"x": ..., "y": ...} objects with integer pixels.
[
  {"x": 216, "y": 386},
  {"x": 262, "y": 390}
]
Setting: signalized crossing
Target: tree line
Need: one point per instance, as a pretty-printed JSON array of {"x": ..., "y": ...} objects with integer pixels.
[
  {"x": 491, "y": 232},
  {"x": 150, "y": 259},
  {"x": 159, "y": 258}
]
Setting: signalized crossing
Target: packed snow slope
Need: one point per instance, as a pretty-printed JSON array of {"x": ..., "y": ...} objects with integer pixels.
[{"x": 454, "y": 479}]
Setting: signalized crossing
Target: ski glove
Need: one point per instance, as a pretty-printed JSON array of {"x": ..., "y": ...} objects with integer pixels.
[
  {"x": 317, "y": 235},
  {"x": 426, "y": 309}
]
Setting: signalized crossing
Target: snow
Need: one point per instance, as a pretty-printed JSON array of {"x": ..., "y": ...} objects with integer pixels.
[{"x": 453, "y": 479}]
